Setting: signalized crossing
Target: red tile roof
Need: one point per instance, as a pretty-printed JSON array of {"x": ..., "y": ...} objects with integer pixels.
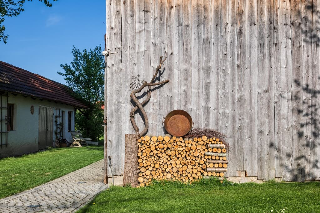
[{"x": 17, "y": 80}]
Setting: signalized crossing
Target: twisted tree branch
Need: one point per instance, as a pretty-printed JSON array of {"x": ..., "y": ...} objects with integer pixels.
[{"x": 140, "y": 105}]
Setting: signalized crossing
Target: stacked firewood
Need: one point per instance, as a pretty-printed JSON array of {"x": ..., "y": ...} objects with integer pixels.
[{"x": 177, "y": 158}]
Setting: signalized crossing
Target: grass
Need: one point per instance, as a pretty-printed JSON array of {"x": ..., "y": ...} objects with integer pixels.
[
  {"x": 21, "y": 173},
  {"x": 209, "y": 196}
]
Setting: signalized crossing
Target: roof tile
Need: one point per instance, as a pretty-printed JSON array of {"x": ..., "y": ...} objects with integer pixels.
[{"x": 17, "y": 80}]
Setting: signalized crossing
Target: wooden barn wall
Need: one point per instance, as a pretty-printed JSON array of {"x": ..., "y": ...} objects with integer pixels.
[{"x": 247, "y": 68}]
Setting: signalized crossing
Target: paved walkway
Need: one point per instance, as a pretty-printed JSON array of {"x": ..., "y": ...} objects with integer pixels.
[{"x": 65, "y": 194}]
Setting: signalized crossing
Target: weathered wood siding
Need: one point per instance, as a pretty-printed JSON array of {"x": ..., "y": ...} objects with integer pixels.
[{"x": 247, "y": 68}]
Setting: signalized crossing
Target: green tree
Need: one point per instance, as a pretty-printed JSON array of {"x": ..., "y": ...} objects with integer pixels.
[
  {"x": 10, "y": 8},
  {"x": 85, "y": 76}
]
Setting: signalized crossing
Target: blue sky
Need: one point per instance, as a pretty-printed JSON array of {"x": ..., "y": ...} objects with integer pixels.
[{"x": 41, "y": 38}]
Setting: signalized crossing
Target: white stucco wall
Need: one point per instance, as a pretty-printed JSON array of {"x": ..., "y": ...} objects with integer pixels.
[{"x": 24, "y": 138}]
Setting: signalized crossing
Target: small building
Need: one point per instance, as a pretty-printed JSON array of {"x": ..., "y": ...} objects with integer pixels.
[
  {"x": 248, "y": 69},
  {"x": 34, "y": 111}
]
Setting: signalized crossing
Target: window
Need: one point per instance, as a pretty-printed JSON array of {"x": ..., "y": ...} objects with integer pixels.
[
  {"x": 69, "y": 121},
  {"x": 10, "y": 117}
]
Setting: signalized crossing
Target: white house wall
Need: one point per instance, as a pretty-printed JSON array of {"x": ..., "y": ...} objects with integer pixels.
[{"x": 24, "y": 138}]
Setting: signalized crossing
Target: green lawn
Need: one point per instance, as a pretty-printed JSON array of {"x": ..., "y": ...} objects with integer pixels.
[
  {"x": 209, "y": 196},
  {"x": 22, "y": 173}
]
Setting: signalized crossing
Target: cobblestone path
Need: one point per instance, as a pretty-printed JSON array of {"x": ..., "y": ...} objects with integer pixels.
[{"x": 65, "y": 194}]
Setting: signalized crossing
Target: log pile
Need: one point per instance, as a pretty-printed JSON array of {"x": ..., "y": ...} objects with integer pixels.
[{"x": 177, "y": 158}]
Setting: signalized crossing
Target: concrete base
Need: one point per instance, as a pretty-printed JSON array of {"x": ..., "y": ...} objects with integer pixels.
[
  {"x": 115, "y": 181},
  {"x": 240, "y": 178},
  {"x": 243, "y": 178}
]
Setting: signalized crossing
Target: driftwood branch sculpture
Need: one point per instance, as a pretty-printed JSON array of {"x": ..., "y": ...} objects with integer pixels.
[{"x": 140, "y": 105}]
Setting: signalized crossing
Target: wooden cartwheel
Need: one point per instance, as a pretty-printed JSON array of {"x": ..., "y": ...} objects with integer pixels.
[{"x": 178, "y": 123}]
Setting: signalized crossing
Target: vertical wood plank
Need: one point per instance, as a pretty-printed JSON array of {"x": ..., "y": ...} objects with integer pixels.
[
  {"x": 214, "y": 87},
  {"x": 287, "y": 74},
  {"x": 261, "y": 127},
  {"x": 145, "y": 8},
  {"x": 273, "y": 145},
  {"x": 232, "y": 62},
  {"x": 170, "y": 68},
  {"x": 195, "y": 63},
  {"x": 240, "y": 98},
  {"x": 180, "y": 87},
  {"x": 283, "y": 95},
  {"x": 125, "y": 60},
  {"x": 157, "y": 53},
  {"x": 113, "y": 81},
  {"x": 132, "y": 63},
  {"x": 154, "y": 60},
  {"x": 206, "y": 64},
  {"x": 105, "y": 110},
  {"x": 307, "y": 14},
  {"x": 250, "y": 154},
  {"x": 299, "y": 166},
  {"x": 200, "y": 72},
  {"x": 211, "y": 80},
  {"x": 297, "y": 93},
  {"x": 224, "y": 72},
  {"x": 270, "y": 173},
  {"x": 175, "y": 33},
  {"x": 254, "y": 85},
  {"x": 162, "y": 105},
  {"x": 119, "y": 146},
  {"x": 110, "y": 78},
  {"x": 138, "y": 63},
  {"x": 273, "y": 65},
  {"x": 186, "y": 56},
  {"x": 315, "y": 144}
]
